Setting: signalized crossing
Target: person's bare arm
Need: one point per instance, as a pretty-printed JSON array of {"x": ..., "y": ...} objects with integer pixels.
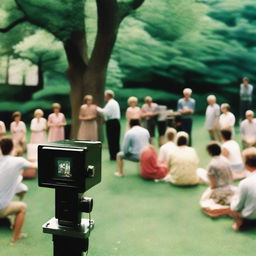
[
  {"x": 225, "y": 152},
  {"x": 212, "y": 181}
]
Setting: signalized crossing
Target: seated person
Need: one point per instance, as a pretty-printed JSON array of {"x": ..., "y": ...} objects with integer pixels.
[
  {"x": 135, "y": 140},
  {"x": 183, "y": 164},
  {"x": 216, "y": 199},
  {"x": 168, "y": 147},
  {"x": 248, "y": 130},
  {"x": 243, "y": 206},
  {"x": 231, "y": 151},
  {"x": 10, "y": 184},
  {"x": 149, "y": 167}
]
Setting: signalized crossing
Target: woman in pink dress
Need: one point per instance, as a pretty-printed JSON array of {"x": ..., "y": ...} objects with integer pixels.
[
  {"x": 88, "y": 129},
  {"x": 18, "y": 131},
  {"x": 56, "y": 123},
  {"x": 132, "y": 112},
  {"x": 150, "y": 168},
  {"x": 2, "y": 129},
  {"x": 38, "y": 128}
]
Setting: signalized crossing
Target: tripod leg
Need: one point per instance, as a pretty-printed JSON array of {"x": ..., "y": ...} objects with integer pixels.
[{"x": 67, "y": 246}]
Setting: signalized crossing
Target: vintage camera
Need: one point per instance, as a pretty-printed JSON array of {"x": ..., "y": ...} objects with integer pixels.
[{"x": 71, "y": 167}]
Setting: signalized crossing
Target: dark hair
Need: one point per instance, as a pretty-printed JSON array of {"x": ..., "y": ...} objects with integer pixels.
[
  {"x": 213, "y": 149},
  {"x": 6, "y": 145},
  {"x": 226, "y": 134},
  {"x": 182, "y": 140},
  {"x": 249, "y": 156},
  {"x": 134, "y": 122}
]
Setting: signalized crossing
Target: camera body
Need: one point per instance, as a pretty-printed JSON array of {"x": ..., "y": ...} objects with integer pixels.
[{"x": 69, "y": 164}]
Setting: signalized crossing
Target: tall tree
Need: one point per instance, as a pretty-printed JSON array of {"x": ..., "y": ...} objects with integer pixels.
[{"x": 65, "y": 20}]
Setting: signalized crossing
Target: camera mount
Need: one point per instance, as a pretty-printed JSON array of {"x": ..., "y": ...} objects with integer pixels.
[{"x": 71, "y": 167}]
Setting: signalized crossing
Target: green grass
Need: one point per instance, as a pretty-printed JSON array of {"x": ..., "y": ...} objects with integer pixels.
[{"x": 137, "y": 217}]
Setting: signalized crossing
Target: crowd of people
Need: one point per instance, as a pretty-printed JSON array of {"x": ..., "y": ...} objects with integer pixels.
[{"x": 177, "y": 162}]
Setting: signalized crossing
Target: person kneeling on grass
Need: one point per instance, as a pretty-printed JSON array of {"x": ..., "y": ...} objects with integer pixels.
[
  {"x": 135, "y": 140},
  {"x": 243, "y": 207},
  {"x": 150, "y": 168},
  {"x": 183, "y": 164},
  {"x": 216, "y": 200},
  {"x": 10, "y": 184}
]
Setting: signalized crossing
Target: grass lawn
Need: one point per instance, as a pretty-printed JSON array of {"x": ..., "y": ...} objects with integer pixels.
[{"x": 137, "y": 217}]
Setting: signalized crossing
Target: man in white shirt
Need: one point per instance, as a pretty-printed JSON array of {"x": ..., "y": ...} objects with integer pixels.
[
  {"x": 111, "y": 112},
  {"x": 231, "y": 151},
  {"x": 244, "y": 205},
  {"x": 248, "y": 130},
  {"x": 168, "y": 147},
  {"x": 212, "y": 118},
  {"x": 135, "y": 139},
  {"x": 10, "y": 173}
]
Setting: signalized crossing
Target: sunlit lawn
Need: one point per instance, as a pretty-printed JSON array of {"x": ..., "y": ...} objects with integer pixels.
[{"x": 137, "y": 217}]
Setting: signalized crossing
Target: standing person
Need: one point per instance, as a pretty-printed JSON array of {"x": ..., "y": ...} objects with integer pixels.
[
  {"x": 56, "y": 123},
  {"x": 186, "y": 107},
  {"x": 231, "y": 151},
  {"x": 246, "y": 92},
  {"x": 149, "y": 114},
  {"x": 2, "y": 129},
  {"x": 111, "y": 112},
  {"x": 248, "y": 130},
  {"x": 10, "y": 170},
  {"x": 168, "y": 147},
  {"x": 212, "y": 118},
  {"x": 133, "y": 111},
  {"x": 88, "y": 129},
  {"x": 216, "y": 200},
  {"x": 227, "y": 119},
  {"x": 135, "y": 140},
  {"x": 244, "y": 205},
  {"x": 38, "y": 128},
  {"x": 161, "y": 123},
  {"x": 18, "y": 131}
]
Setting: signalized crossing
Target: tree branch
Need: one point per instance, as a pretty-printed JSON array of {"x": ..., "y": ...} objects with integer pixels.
[
  {"x": 126, "y": 8},
  {"x": 13, "y": 24}
]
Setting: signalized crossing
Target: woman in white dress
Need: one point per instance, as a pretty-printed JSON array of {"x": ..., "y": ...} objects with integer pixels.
[
  {"x": 38, "y": 128},
  {"x": 227, "y": 119},
  {"x": 18, "y": 131},
  {"x": 2, "y": 129}
]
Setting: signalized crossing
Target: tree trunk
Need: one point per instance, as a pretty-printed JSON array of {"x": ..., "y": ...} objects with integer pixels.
[
  {"x": 7, "y": 70},
  {"x": 40, "y": 84}
]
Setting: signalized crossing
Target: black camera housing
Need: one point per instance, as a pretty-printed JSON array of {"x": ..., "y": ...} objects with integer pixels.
[{"x": 69, "y": 164}]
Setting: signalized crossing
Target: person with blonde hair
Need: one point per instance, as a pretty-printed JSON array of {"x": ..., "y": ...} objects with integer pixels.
[
  {"x": 18, "y": 131},
  {"x": 133, "y": 111},
  {"x": 56, "y": 124},
  {"x": 38, "y": 128},
  {"x": 227, "y": 119},
  {"x": 186, "y": 107},
  {"x": 212, "y": 118},
  {"x": 149, "y": 114},
  {"x": 88, "y": 129},
  {"x": 183, "y": 164},
  {"x": 168, "y": 147}
]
